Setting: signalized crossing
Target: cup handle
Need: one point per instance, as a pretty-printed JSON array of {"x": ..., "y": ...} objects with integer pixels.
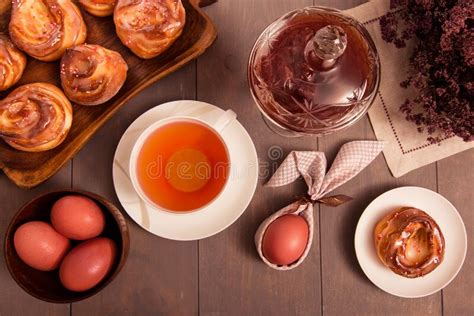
[{"x": 224, "y": 120}]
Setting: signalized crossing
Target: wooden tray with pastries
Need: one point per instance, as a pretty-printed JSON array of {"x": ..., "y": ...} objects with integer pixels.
[{"x": 28, "y": 164}]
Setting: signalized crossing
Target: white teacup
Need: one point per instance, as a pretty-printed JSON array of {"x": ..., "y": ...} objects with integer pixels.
[{"x": 216, "y": 127}]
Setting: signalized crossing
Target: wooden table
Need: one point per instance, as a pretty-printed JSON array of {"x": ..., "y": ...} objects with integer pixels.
[{"x": 223, "y": 275}]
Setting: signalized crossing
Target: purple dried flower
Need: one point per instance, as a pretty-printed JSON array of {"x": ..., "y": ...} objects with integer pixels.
[{"x": 441, "y": 64}]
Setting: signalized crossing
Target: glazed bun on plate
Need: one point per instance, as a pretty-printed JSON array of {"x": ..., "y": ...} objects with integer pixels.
[{"x": 409, "y": 242}]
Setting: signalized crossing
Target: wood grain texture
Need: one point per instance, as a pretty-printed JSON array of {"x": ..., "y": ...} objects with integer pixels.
[
  {"x": 232, "y": 279},
  {"x": 455, "y": 178},
  {"x": 160, "y": 276},
  {"x": 30, "y": 169},
  {"x": 223, "y": 275},
  {"x": 345, "y": 286}
]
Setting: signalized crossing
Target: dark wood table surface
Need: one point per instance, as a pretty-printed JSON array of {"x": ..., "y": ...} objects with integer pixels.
[{"x": 223, "y": 275}]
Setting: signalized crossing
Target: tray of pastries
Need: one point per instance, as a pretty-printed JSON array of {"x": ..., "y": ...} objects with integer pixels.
[{"x": 68, "y": 66}]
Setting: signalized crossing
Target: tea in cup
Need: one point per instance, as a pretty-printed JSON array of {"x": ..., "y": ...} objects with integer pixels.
[{"x": 181, "y": 164}]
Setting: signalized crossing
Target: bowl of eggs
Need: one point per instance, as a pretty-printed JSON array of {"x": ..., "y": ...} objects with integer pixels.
[{"x": 65, "y": 246}]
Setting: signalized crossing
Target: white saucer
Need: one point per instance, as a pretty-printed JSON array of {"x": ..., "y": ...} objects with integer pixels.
[
  {"x": 450, "y": 223},
  {"x": 218, "y": 215}
]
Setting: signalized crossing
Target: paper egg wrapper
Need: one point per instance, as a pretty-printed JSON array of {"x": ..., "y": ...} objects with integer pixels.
[{"x": 351, "y": 159}]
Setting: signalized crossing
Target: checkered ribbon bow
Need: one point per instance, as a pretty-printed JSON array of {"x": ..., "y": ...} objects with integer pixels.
[
  {"x": 352, "y": 158},
  {"x": 311, "y": 165}
]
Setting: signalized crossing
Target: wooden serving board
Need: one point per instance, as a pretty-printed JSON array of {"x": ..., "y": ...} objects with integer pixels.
[{"x": 30, "y": 169}]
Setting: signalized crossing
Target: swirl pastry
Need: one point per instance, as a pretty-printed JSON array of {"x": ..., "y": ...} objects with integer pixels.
[
  {"x": 149, "y": 27},
  {"x": 12, "y": 63},
  {"x": 35, "y": 117},
  {"x": 92, "y": 74},
  {"x": 98, "y": 7},
  {"x": 409, "y": 242},
  {"x": 44, "y": 29}
]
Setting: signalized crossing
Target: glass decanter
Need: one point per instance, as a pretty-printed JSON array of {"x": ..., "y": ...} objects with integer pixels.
[{"x": 314, "y": 71}]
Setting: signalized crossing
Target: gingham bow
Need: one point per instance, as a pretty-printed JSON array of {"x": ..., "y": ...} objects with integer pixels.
[{"x": 352, "y": 158}]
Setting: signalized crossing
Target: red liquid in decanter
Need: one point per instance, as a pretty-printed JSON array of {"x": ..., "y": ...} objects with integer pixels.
[{"x": 303, "y": 90}]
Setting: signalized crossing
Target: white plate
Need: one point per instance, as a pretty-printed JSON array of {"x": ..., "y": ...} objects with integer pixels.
[
  {"x": 218, "y": 215},
  {"x": 450, "y": 223}
]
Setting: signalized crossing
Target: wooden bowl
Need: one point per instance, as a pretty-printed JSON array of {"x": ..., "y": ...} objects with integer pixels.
[{"x": 46, "y": 285}]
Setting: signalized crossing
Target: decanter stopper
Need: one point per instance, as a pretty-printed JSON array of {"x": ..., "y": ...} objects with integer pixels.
[{"x": 328, "y": 44}]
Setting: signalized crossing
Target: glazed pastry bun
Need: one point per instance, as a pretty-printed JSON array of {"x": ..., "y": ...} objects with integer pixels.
[
  {"x": 409, "y": 242},
  {"x": 45, "y": 29},
  {"x": 35, "y": 117},
  {"x": 148, "y": 28},
  {"x": 12, "y": 63},
  {"x": 98, "y": 8},
  {"x": 92, "y": 74}
]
